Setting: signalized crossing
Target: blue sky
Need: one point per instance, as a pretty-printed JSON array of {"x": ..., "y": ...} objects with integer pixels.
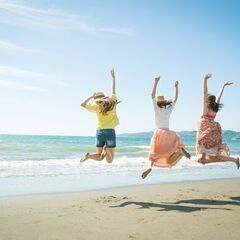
[{"x": 54, "y": 54}]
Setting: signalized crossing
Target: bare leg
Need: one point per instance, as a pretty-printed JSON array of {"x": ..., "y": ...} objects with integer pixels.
[
  {"x": 176, "y": 157},
  {"x": 186, "y": 154},
  {"x": 95, "y": 156},
  {"x": 103, "y": 153},
  {"x": 109, "y": 154},
  {"x": 201, "y": 158},
  {"x": 215, "y": 159},
  {"x": 146, "y": 172},
  {"x": 173, "y": 159}
]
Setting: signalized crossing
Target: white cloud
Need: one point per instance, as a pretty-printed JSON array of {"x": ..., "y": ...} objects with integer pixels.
[
  {"x": 7, "y": 44},
  {"x": 19, "y": 86},
  {"x": 21, "y": 79},
  {"x": 17, "y": 73},
  {"x": 14, "y": 46},
  {"x": 22, "y": 73},
  {"x": 125, "y": 31},
  {"x": 18, "y": 13}
]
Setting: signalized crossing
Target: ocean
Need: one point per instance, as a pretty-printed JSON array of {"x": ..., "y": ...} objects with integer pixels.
[{"x": 50, "y": 164}]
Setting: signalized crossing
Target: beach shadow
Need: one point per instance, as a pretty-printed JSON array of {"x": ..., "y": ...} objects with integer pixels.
[
  {"x": 166, "y": 207},
  {"x": 209, "y": 202}
]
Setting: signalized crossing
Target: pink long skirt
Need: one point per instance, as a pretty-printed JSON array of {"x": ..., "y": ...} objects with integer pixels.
[{"x": 164, "y": 144}]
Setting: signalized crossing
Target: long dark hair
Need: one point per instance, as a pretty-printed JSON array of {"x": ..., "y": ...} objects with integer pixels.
[
  {"x": 212, "y": 104},
  {"x": 164, "y": 103}
]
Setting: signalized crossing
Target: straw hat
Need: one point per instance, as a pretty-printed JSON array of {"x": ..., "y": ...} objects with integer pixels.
[
  {"x": 99, "y": 95},
  {"x": 160, "y": 98}
]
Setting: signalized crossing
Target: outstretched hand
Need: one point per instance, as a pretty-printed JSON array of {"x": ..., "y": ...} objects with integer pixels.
[
  {"x": 176, "y": 84},
  {"x": 207, "y": 76},
  {"x": 228, "y": 84},
  {"x": 157, "y": 78},
  {"x": 112, "y": 73}
]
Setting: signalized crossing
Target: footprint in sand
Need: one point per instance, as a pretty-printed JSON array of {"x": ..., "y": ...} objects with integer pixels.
[
  {"x": 109, "y": 199},
  {"x": 142, "y": 220},
  {"x": 72, "y": 206}
]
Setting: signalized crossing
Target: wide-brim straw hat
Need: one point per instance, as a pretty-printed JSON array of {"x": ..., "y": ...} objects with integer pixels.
[
  {"x": 99, "y": 95},
  {"x": 160, "y": 98}
]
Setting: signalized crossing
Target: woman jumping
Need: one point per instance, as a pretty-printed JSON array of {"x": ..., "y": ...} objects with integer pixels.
[
  {"x": 209, "y": 137},
  {"x": 166, "y": 146},
  {"x": 105, "y": 109}
]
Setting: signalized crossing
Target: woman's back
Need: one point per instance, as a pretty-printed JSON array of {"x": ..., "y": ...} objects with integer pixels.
[{"x": 162, "y": 115}]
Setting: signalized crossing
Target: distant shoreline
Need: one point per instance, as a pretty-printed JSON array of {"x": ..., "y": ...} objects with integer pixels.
[{"x": 193, "y": 132}]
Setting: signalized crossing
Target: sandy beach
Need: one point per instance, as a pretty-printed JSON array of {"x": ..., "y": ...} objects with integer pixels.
[{"x": 188, "y": 210}]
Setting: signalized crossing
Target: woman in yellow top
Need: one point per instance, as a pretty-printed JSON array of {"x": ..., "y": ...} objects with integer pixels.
[{"x": 105, "y": 109}]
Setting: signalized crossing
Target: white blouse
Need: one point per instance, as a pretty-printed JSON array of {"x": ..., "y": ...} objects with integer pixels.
[{"x": 162, "y": 115}]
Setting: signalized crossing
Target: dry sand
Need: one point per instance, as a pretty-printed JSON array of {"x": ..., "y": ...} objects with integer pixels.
[{"x": 190, "y": 210}]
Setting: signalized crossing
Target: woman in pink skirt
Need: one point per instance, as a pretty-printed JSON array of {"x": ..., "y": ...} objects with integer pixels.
[
  {"x": 166, "y": 146},
  {"x": 209, "y": 145}
]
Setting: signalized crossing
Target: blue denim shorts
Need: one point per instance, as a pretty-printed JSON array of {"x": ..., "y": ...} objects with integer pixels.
[{"x": 106, "y": 137}]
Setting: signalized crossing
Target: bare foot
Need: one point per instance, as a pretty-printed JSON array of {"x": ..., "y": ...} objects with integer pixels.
[
  {"x": 84, "y": 158},
  {"x": 201, "y": 158},
  {"x": 145, "y": 173},
  {"x": 237, "y": 163},
  {"x": 186, "y": 154}
]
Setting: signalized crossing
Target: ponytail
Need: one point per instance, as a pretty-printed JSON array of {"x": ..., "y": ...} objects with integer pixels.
[{"x": 212, "y": 104}]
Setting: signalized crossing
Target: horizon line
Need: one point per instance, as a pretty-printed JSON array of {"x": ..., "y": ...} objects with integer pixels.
[{"x": 119, "y": 134}]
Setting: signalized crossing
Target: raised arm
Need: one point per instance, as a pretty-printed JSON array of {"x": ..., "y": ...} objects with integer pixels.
[
  {"x": 156, "y": 80},
  {"x": 205, "y": 93},
  {"x": 176, "y": 92},
  {"x": 83, "y": 104},
  {"x": 113, "y": 82},
  {"x": 222, "y": 89}
]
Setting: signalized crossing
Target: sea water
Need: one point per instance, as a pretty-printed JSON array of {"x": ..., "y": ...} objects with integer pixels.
[{"x": 50, "y": 164}]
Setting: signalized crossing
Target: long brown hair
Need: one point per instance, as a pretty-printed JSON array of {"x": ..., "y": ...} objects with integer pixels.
[
  {"x": 165, "y": 103},
  {"x": 107, "y": 104}
]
